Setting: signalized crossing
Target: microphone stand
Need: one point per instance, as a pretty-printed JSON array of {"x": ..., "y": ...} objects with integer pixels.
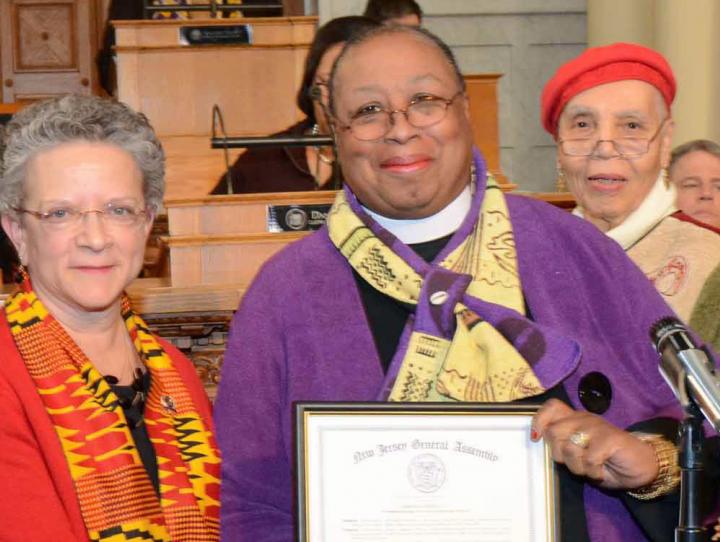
[{"x": 691, "y": 449}]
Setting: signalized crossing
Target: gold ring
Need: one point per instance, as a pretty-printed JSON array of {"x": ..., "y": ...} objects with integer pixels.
[{"x": 580, "y": 438}]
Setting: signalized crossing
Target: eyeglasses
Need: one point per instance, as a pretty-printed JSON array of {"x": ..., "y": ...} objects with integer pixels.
[
  {"x": 113, "y": 214},
  {"x": 373, "y": 121},
  {"x": 625, "y": 147}
]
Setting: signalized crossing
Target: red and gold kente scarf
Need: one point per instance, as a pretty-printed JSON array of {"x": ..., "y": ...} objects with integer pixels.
[{"x": 116, "y": 496}]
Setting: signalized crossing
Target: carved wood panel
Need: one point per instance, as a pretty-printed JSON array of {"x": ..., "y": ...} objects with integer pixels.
[
  {"x": 201, "y": 336},
  {"x": 45, "y": 37},
  {"x": 47, "y": 47}
]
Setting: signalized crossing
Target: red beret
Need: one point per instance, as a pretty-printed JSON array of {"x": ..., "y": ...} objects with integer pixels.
[{"x": 600, "y": 65}]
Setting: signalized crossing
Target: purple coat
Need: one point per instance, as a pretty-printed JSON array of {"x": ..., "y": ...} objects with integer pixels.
[{"x": 301, "y": 334}]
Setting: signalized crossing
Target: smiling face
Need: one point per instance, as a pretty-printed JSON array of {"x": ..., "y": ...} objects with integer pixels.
[
  {"x": 80, "y": 268},
  {"x": 697, "y": 178},
  {"x": 410, "y": 172},
  {"x": 607, "y": 186}
]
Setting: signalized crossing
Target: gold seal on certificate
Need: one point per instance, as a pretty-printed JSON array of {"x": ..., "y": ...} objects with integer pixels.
[{"x": 422, "y": 472}]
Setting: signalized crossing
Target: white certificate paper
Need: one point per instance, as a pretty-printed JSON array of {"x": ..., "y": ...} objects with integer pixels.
[{"x": 439, "y": 476}]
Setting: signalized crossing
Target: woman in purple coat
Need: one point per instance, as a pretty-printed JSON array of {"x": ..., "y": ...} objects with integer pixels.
[{"x": 522, "y": 301}]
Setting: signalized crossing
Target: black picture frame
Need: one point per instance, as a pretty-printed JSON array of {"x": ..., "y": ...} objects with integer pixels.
[{"x": 305, "y": 409}]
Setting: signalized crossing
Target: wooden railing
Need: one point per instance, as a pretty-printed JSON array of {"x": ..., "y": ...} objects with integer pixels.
[{"x": 214, "y": 8}]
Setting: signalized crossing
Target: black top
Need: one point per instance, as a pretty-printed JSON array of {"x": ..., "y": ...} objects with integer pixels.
[
  {"x": 386, "y": 316},
  {"x": 138, "y": 429}
]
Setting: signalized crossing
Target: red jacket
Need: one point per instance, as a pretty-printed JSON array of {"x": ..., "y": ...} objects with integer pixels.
[{"x": 37, "y": 496}]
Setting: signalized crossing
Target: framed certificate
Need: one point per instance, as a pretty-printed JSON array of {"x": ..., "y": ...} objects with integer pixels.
[{"x": 422, "y": 472}]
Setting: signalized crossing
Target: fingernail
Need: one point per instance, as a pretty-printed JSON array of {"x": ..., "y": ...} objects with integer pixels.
[{"x": 533, "y": 434}]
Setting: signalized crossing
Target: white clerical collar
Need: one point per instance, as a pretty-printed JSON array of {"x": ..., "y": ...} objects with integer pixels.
[{"x": 420, "y": 230}]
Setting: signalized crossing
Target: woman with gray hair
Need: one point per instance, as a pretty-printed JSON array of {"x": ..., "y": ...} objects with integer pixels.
[{"x": 107, "y": 428}]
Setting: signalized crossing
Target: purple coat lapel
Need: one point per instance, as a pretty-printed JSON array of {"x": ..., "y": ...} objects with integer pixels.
[{"x": 552, "y": 356}]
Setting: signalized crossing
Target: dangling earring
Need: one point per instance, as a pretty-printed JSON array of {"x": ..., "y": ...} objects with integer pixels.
[
  {"x": 323, "y": 158},
  {"x": 21, "y": 274},
  {"x": 665, "y": 177},
  {"x": 315, "y": 130},
  {"x": 560, "y": 183}
]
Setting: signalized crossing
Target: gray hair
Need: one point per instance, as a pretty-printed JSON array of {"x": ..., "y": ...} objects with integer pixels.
[
  {"x": 704, "y": 145},
  {"x": 49, "y": 123},
  {"x": 420, "y": 33}
]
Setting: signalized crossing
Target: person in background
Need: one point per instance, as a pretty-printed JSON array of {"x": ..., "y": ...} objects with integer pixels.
[
  {"x": 429, "y": 284},
  {"x": 291, "y": 169},
  {"x": 609, "y": 112},
  {"x": 107, "y": 429},
  {"x": 403, "y": 12},
  {"x": 695, "y": 172},
  {"x": 8, "y": 258}
]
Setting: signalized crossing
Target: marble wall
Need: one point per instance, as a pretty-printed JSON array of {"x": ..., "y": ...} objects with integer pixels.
[{"x": 526, "y": 40}]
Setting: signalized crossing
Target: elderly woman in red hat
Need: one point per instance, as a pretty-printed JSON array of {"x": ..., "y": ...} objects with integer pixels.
[{"x": 609, "y": 111}]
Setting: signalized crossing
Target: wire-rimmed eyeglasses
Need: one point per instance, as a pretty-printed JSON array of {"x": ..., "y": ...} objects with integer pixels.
[
  {"x": 113, "y": 214},
  {"x": 625, "y": 147},
  {"x": 373, "y": 121}
]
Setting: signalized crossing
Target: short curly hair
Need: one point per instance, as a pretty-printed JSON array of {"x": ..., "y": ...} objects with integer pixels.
[
  {"x": 379, "y": 31},
  {"x": 704, "y": 145},
  {"x": 72, "y": 118}
]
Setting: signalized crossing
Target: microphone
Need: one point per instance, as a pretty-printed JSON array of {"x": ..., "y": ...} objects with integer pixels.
[{"x": 687, "y": 369}]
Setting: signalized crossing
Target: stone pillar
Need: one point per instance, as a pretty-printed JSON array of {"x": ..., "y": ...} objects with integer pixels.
[
  {"x": 610, "y": 21},
  {"x": 687, "y": 34}
]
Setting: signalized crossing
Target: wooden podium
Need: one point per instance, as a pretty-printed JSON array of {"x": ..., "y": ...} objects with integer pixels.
[
  {"x": 254, "y": 85},
  {"x": 223, "y": 240},
  {"x": 177, "y": 85}
]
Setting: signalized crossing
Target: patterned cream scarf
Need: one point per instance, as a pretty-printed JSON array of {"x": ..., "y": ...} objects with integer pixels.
[{"x": 478, "y": 363}]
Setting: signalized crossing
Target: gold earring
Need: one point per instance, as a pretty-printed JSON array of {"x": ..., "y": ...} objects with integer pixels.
[
  {"x": 665, "y": 177},
  {"x": 560, "y": 184},
  {"x": 322, "y": 157}
]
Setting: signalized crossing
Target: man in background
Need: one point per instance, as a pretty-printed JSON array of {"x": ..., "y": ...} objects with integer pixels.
[
  {"x": 695, "y": 172},
  {"x": 404, "y": 12}
]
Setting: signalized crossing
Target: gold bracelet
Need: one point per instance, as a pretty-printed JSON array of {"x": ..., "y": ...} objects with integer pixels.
[{"x": 668, "y": 476}]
